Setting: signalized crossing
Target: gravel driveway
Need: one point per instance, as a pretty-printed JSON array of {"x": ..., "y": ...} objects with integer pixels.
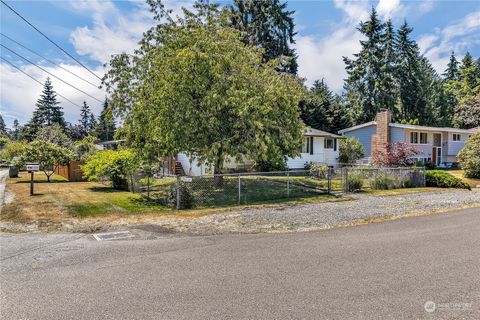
[{"x": 316, "y": 216}]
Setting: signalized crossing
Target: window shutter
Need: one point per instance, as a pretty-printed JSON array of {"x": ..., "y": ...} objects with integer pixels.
[
  {"x": 311, "y": 145},
  {"x": 334, "y": 144}
]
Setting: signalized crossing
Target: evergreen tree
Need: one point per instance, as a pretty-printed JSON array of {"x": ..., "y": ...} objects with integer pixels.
[
  {"x": 412, "y": 73},
  {"x": 3, "y": 127},
  {"x": 269, "y": 25},
  {"x": 92, "y": 123},
  {"x": 323, "y": 110},
  {"x": 47, "y": 112},
  {"x": 85, "y": 117},
  {"x": 16, "y": 129},
  {"x": 452, "y": 72},
  {"x": 105, "y": 129},
  {"x": 363, "y": 87}
]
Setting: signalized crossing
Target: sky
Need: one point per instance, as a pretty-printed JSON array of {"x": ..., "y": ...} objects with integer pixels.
[{"x": 93, "y": 30}]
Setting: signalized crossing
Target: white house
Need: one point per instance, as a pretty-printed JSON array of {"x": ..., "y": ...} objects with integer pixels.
[{"x": 317, "y": 147}]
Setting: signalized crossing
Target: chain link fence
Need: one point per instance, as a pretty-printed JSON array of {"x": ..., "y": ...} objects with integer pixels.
[{"x": 183, "y": 192}]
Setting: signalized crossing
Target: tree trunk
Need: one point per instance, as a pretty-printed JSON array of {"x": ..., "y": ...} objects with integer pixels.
[{"x": 217, "y": 170}]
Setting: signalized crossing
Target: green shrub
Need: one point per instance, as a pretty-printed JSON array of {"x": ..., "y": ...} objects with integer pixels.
[
  {"x": 117, "y": 166},
  {"x": 318, "y": 170},
  {"x": 443, "y": 179},
  {"x": 469, "y": 157},
  {"x": 383, "y": 182},
  {"x": 351, "y": 150},
  {"x": 355, "y": 182}
]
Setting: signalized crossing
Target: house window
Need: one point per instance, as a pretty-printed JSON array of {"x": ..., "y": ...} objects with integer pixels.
[
  {"x": 418, "y": 137},
  {"x": 413, "y": 137},
  {"x": 306, "y": 145},
  {"x": 456, "y": 137},
  {"x": 423, "y": 138},
  {"x": 328, "y": 144}
]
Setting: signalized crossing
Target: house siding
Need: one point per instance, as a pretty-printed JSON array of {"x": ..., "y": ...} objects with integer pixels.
[
  {"x": 320, "y": 155},
  {"x": 364, "y": 135}
]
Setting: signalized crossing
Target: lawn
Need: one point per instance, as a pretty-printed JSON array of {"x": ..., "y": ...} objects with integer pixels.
[
  {"x": 60, "y": 201},
  {"x": 459, "y": 174}
]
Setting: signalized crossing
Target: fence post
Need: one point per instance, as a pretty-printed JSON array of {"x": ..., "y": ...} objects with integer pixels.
[
  {"x": 329, "y": 180},
  {"x": 239, "y": 189},
  {"x": 288, "y": 183},
  {"x": 178, "y": 193},
  {"x": 345, "y": 175}
]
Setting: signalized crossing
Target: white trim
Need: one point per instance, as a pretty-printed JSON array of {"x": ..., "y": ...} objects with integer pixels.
[
  {"x": 423, "y": 128},
  {"x": 367, "y": 124}
]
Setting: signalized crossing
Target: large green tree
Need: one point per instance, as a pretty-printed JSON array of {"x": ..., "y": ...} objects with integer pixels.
[
  {"x": 105, "y": 128},
  {"x": 3, "y": 127},
  {"x": 364, "y": 85},
  {"x": 194, "y": 86},
  {"x": 48, "y": 111},
  {"x": 323, "y": 110},
  {"x": 269, "y": 25}
]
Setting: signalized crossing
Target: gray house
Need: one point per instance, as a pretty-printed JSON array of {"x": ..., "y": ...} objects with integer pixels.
[{"x": 438, "y": 145}]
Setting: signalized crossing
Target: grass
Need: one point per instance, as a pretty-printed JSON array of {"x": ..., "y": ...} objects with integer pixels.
[
  {"x": 459, "y": 174},
  {"x": 396, "y": 192},
  {"x": 61, "y": 202}
]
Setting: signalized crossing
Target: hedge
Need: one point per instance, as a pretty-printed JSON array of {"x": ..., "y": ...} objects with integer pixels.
[{"x": 443, "y": 179}]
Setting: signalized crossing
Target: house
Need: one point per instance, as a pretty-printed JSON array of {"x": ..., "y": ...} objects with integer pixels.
[
  {"x": 437, "y": 145},
  {"x": 317, "y": 147}
]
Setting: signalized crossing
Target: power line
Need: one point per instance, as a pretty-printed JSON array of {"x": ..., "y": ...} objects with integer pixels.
[
  {"x": 54, "y": 43},
  {"x": 37, "y": 80},
  {"x": 38, "y": 54},
  {"x": 71, "y": 85}
]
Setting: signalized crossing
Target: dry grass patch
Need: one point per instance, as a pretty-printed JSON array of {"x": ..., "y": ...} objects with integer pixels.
[{"x": 459, "y": 174}]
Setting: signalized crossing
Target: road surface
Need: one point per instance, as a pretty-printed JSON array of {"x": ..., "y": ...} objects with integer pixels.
[{"x": 387, "y": 270}]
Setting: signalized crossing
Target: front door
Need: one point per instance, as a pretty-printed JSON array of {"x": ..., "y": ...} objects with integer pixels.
[
  {"x": 439, "y": 156},
  {"x": 434, "y": 156}
]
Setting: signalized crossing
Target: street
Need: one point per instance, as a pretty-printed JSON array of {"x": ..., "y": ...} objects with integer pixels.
[{"x": 384, "y": 270}]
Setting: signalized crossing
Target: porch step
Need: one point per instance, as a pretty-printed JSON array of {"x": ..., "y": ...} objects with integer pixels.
[{"x": 179, "y": 169}]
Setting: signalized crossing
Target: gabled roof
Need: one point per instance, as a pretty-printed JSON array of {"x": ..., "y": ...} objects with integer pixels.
[
  {"x": 408, "y": 126},
  {"x": 311, "y": 132},
  {"x": 363, "y": 125},
  {"x": 425, "y": 128}
]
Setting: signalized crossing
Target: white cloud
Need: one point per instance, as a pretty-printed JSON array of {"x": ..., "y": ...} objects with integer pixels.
[
  {"x": 459, "y": 36},
  {"x": 389, "y": 8},
  {"x": 20, "y": 93}
]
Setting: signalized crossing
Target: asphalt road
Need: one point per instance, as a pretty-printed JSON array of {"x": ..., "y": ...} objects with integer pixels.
[{"x": 378, "y": 271}]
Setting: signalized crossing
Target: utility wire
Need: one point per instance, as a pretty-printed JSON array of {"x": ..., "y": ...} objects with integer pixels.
[
  {"x": 46, "y": 59},
  {"x": 37, "y": 80},
  {"x": 71, "y": 85},
  {"x": 54, "y": 43}
]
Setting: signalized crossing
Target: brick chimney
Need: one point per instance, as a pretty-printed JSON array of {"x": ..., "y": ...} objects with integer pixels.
[{"x": 381, "y": 139}]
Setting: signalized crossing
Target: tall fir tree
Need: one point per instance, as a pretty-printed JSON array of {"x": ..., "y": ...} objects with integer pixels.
[
  {"x": 410, "y": 75},
  {"x": 269, "y": 25},
  {"x": 362, "y": 86},
  {"x": 3, "y": 127},
  {"x": 85, "y": 114},
  {"x": 452, "y": 72},
  {"x": 15, "y": 129},
  {"x": 323, "y": 110},
  {"x": 48, "y": 111},
  {"x": 105, "y": 129},
  {"x": 92, "y": 123}
]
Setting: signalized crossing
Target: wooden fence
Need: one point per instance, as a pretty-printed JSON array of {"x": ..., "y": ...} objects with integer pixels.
[{"x": 72, "y": 171}]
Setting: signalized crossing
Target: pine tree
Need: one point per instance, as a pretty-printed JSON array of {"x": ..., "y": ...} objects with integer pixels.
[
  {"x": 92, "y": 123},
  {"x": 47, "y": 112},
  {"x": 323, "y": 110},
  {"x": 269, "y": 25},
  {"x": 84, "y": 116},
  {"x": 410, "y": 75},
  {"x": 16, "y": 129},
  {"x": 105, "y": 129},
  {"x": 452, "y": 72},
  {"x": 3, "y": 127}
]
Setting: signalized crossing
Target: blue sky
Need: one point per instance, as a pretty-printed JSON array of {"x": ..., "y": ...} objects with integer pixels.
[{"x": 93, "y": 30}]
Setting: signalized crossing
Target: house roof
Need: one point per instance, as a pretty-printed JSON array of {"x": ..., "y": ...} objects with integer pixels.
[
  {"x": 408, "y": 126},
  {"x": 425, "y": 128},
  {"x": 311, "y": 132},
  {"x": 363, "y": 125}
]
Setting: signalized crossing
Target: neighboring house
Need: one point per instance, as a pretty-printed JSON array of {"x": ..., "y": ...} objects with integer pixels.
[
  {"x": 318, "y": 147},
  {"x": 437, "y": 145},
  {"x": 109, "y": 145}
]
